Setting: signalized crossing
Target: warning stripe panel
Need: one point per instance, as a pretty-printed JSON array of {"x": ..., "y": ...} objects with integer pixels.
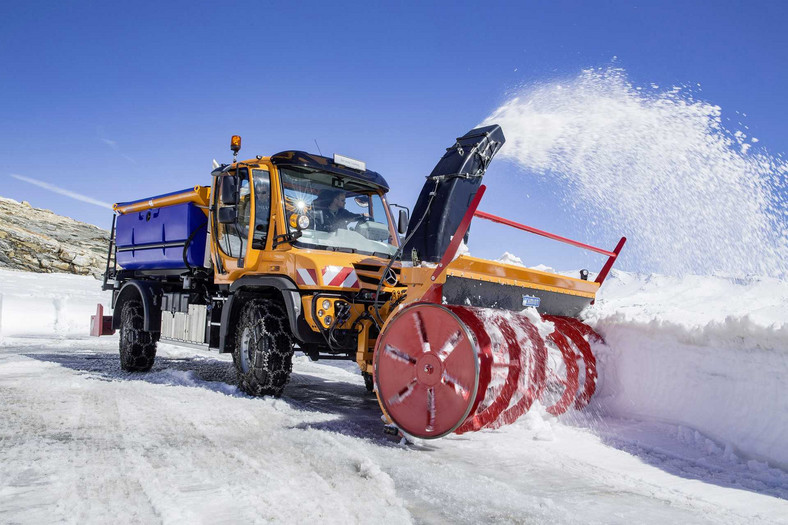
[
  {"x": 342, "y": 276},
  {"x": 306, "y": 276},
  {"x": 351, "y": 281},
  {"x": 338, "y": 278}
]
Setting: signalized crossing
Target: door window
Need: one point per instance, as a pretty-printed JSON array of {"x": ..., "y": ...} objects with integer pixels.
[
  {"x": 261, "y": 180},
  {"x": 232, "y": 236}
]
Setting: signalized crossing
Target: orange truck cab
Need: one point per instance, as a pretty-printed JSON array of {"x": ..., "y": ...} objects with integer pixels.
[{"x": 280, "y": 251}]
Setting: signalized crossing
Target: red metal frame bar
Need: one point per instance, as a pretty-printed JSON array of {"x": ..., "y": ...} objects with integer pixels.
[
  {"x": 433, "y": 292},
  {"x": 611, "y": 255},
  {"x": 501, "y": 220},
  {"x": 609, "y": 264},
  {"x": 462, "y": 229}
]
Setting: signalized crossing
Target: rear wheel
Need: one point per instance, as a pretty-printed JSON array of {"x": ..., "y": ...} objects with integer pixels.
[
  {"x": 137, "y": 346},
  {"x": 263, "y": 353}
]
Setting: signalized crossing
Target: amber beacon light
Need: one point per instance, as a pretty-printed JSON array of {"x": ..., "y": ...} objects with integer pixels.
[{"x": 235, "y": 143}]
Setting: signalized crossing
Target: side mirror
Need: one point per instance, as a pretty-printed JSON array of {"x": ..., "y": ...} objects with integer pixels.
[
  {"x": 402, "y": 224},
  {"x": 229, "y": 190},
  {"x": 227, "y": 215}
]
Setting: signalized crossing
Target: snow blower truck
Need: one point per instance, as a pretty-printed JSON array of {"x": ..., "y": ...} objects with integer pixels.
[{"x": 301, "y": 250}]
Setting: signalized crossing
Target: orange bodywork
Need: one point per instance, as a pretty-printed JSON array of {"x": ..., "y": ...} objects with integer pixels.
[
  {"x": 315, "y": 271},
  {"x": 199, "y": 195}
]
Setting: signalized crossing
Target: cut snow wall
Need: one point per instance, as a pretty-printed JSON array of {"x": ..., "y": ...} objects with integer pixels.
[
  {"x": 735, "y": 396},
  {"x": 50, "y": 316},
  {"x": 48, "y": 304},
  {"x": 709, "y": 353}
]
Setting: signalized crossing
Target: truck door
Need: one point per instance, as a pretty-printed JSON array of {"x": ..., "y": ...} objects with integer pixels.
[
  {"x": 261, "y": 182},
  {"x": 233, "y": 205}
]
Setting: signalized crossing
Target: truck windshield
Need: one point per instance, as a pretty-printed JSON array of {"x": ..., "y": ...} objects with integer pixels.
[{"x": 344, "y": 214}]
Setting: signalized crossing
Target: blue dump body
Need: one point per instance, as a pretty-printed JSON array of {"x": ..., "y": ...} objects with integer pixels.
[{"x": 155, "y": 239}]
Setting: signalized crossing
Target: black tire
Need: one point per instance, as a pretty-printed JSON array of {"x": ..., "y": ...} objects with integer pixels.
[
  {"x": 369, "y": 381},
  {"x": 263, "y": 353},
  {"x": 137, "y": 347}
]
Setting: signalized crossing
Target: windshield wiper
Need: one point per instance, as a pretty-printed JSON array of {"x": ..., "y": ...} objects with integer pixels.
[{"x": 286, "y": 238}]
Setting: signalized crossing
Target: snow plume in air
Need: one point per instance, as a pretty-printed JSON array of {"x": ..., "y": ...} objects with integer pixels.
[
  {"x": 656, "y": 166},
  {"x": 62, "y": 191}
]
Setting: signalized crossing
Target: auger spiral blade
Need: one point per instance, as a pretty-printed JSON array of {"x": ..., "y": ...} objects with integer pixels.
[
  {"x": 448, "y": 368},
  {"x": 576, "y": 332}
]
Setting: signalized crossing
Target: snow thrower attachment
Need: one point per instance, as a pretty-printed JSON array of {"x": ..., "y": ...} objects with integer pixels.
[{"x": 461, "y": 353}]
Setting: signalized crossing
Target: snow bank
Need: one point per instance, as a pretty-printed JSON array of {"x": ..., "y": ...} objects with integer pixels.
[
  {"x": 710, "y": 353},
  {"x": 48, "y": 304}
]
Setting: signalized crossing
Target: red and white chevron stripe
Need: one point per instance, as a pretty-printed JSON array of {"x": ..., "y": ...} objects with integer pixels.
[
  {"x": 340, "y": 276},
  {"x": 306, "y": 276}
]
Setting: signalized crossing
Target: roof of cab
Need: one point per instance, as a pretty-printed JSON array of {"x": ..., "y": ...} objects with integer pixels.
[{"x": 317, "y": 162}]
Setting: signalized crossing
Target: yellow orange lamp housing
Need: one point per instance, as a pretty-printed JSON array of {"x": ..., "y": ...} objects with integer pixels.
[
  {"x": 235, "y": 143},
  {"x": 300, "y": 222}
]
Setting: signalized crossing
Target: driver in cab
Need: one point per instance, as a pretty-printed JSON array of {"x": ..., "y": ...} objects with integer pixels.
[{"x": 331, "y": 203}]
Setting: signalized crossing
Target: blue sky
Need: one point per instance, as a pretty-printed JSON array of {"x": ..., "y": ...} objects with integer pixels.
[{"x": 118, "y": 102}]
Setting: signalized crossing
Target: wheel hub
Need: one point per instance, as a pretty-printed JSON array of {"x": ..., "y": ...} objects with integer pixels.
[{"x": 429, "y": 369}]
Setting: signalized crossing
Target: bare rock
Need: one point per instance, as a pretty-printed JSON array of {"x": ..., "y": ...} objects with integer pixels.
[{"x": 38, "y": 240}]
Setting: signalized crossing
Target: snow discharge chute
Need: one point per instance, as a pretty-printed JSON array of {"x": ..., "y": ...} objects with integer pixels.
[{"x": 460, "y": 354}]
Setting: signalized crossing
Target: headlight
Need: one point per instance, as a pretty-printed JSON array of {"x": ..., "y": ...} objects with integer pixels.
[
  {"x": 299, "y": 221},
  {"x": 328, "y": 320},
  {"x": 326, "y": 304}
]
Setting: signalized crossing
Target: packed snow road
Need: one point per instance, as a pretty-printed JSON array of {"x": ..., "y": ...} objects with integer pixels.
[{"x": 82, "y": 441}]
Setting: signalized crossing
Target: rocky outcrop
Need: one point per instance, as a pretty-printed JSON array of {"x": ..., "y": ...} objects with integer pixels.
[{"x": 37, "y": 240}]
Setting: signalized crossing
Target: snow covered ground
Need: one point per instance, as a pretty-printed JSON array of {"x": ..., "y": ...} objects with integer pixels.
[{"x": 688, "y": 426}]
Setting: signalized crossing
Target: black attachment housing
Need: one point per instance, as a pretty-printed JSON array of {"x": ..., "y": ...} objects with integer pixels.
[{"x": 455, "y": 180}]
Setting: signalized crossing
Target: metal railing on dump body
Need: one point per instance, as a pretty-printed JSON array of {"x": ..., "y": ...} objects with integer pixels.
[{"x": 611, "y": 255}]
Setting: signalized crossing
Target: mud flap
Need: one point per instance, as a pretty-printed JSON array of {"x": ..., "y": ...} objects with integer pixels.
[{"x": 101, "y": 324}]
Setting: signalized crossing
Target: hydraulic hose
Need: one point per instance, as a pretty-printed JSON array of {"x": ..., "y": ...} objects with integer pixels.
[{"x": 398, "y": 253}]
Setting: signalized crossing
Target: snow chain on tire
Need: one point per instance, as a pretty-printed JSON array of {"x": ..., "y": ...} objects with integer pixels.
[
  {"x": 263, "y": 353},
  {"x": 137, "y": 346}
]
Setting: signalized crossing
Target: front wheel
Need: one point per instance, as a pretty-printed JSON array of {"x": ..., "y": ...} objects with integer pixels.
[
  {"x": 369, "y": 381},
  {"x": 263, "y": 353},
  {"x": 137, "y": 346}
]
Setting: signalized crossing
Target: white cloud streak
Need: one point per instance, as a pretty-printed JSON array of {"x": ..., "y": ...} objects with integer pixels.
[
  {"x": 62, "y": 191},
  {"x": 114, "y": 145}
]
